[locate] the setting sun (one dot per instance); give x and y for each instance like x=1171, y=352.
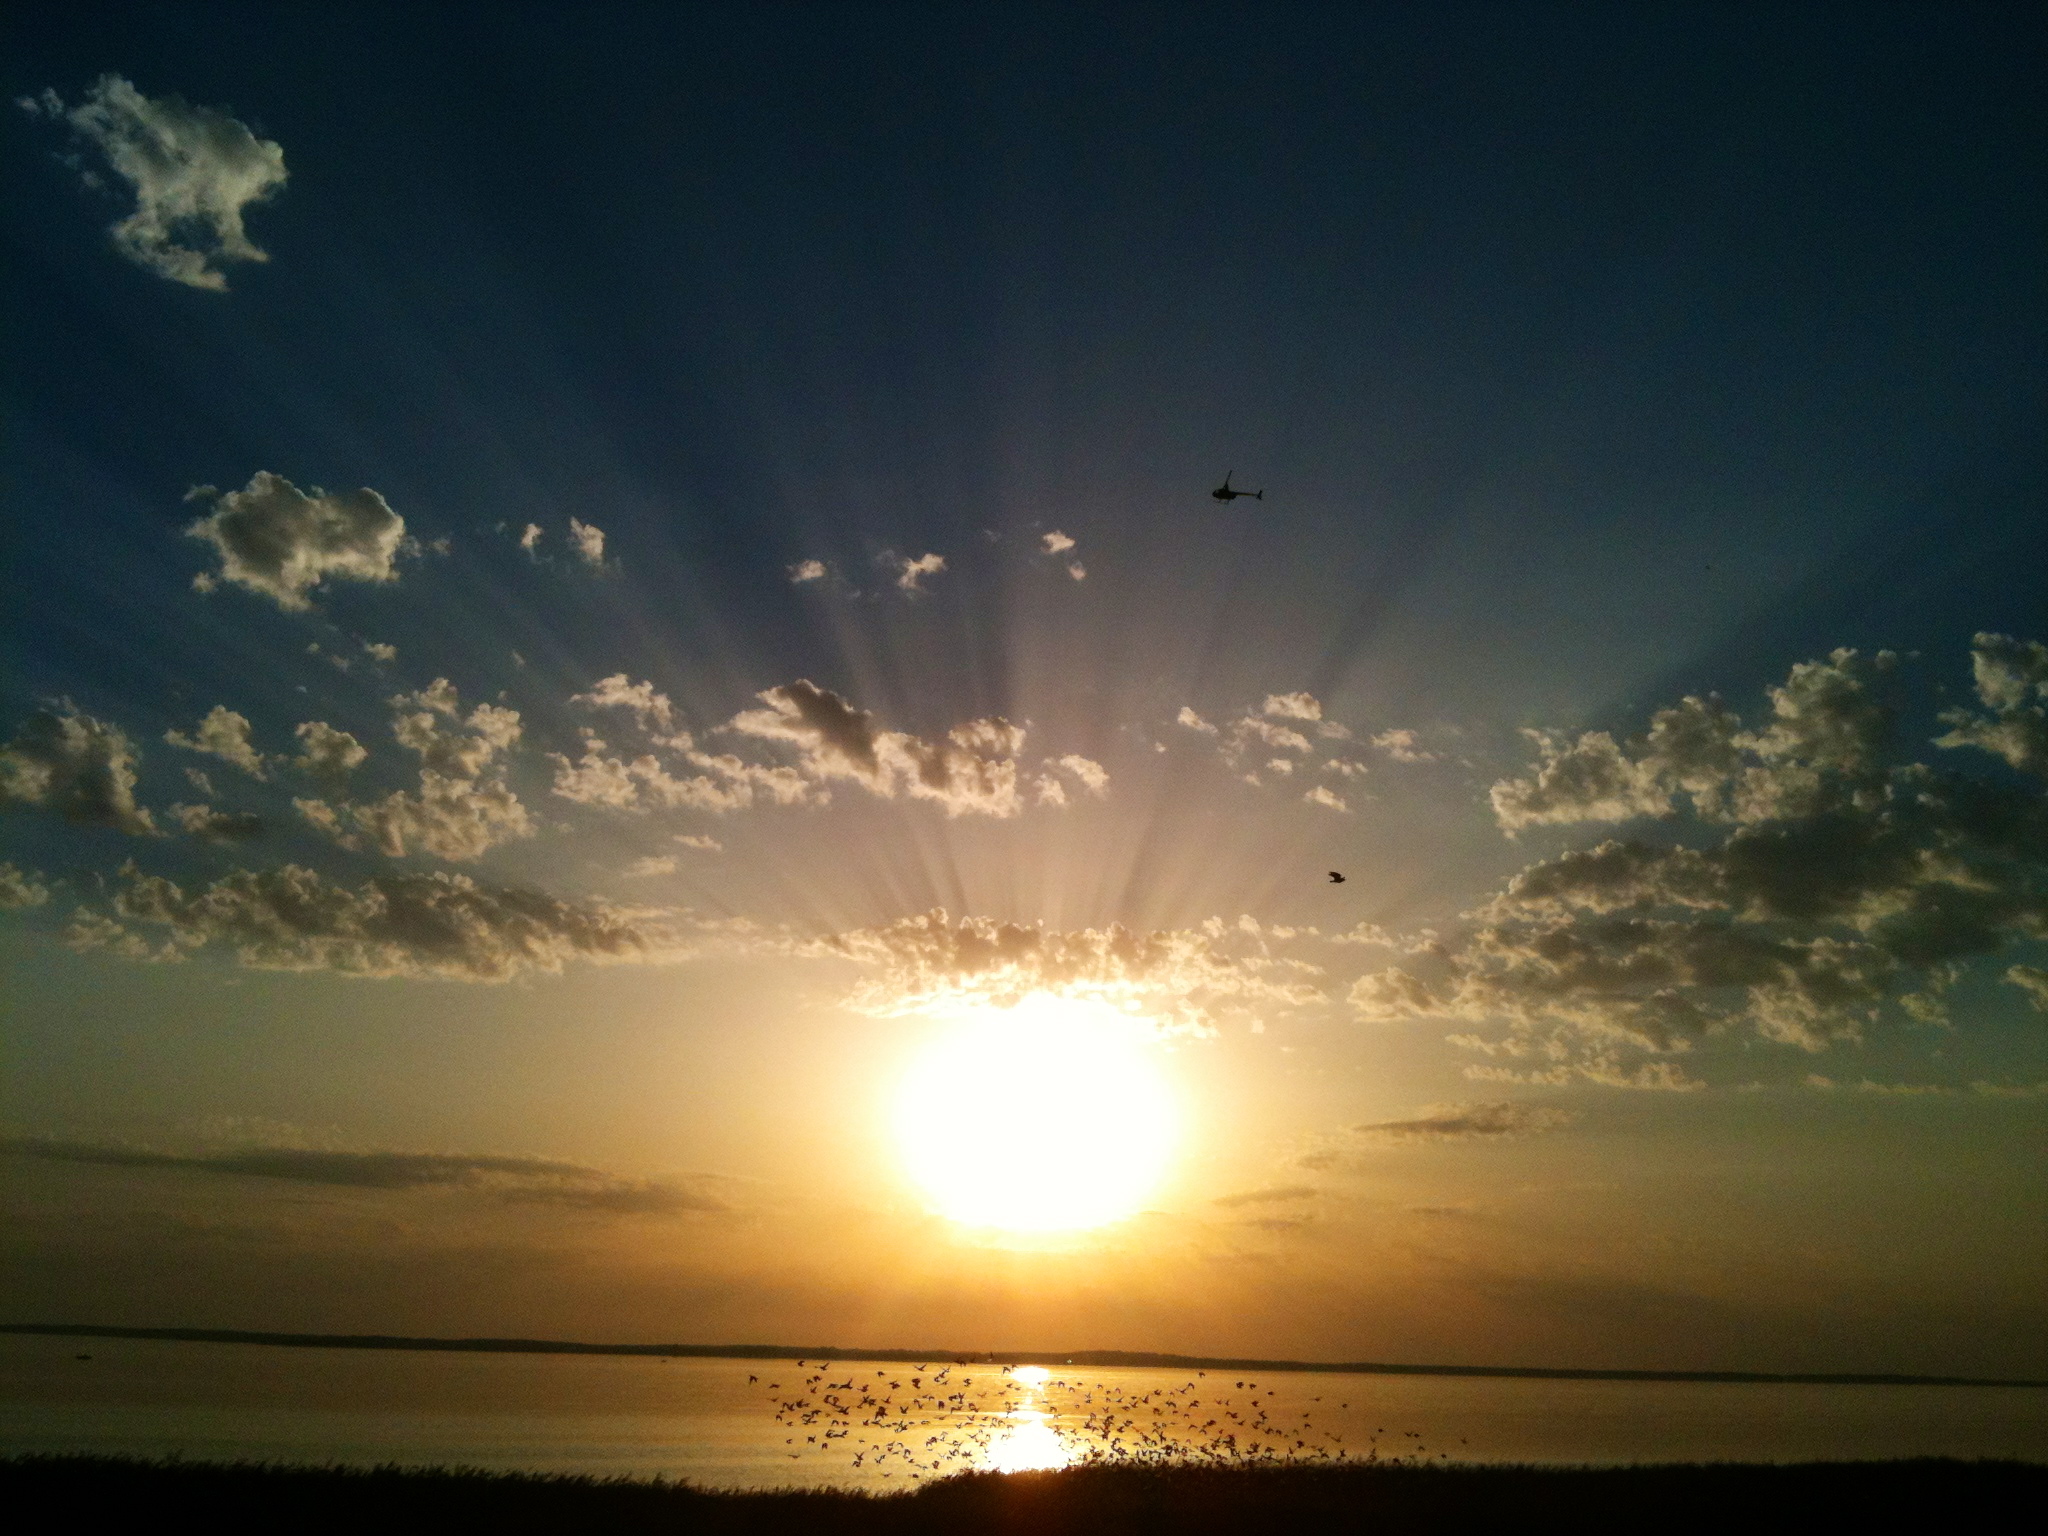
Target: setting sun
x=1049, y=1116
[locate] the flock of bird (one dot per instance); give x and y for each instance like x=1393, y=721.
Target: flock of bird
x=921, y=1421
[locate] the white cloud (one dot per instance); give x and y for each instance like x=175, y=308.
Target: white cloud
x=2012, y=682
x=1403, y=746
x=20, y=888
x=211, y=825
x=1293, y=706
x=422, y=925
x=79, y=767
x=462, y=748
x=588, y=541
x=325, y=751
x=1078, y=571
x=806, y=570
x=1328, y=798
x=193, y=171
x=225, y=735
x=1194, y=722
x=529, y=538
x=700, y=842
x=1056, y=543
x=199, y=780
x=649, y=708
x=280, y=541
x=457, y=819
x=652, y=864
x=379, y=651
x=909, y=573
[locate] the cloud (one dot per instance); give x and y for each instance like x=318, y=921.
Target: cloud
x=1280, y=1196
x=1077, y=570
x=193, y=171
x=210, y=825
x=644, y=783
x=517, y=1180
x=81, y=768
x=282, y=542
x=530, y=537
x=1403, y=746
x=2012, y=682
x=1194, y=722
x=225, y=735
x=588, y=541
x=1293, y=706
x=451, y=818
x=649, y=708
x=1326, y=797
x=909, y=573
x=652, y=864
x=700, y=842
x=806, y=570
x=1820, y=881
x=378, y=651
x=430, y=722
x=428, y=924
x=326, y=752
x=1056, y=543
x=20, y=888
x=1182, y=977
x=2033, y=981
x=1496, y=1121
x=971, y=771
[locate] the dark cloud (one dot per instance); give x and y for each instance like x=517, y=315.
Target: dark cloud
x=278, y=540
x=517, y=1180
x=1267, y=1196
x=1819, y=878
x=1496, y=1121
x=419, y=925
x=83, y=769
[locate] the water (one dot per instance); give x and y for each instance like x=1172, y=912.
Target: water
x=703, y=1420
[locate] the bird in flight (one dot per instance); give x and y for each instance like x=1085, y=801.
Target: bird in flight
x=1226, y=495
x=1335, y=878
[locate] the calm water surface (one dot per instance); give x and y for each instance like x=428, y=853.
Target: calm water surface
x=703, y=1420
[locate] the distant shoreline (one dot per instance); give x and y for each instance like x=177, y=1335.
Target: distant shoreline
x=1089, y=1357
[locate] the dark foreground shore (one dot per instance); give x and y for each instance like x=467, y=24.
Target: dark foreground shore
x=106, y=1493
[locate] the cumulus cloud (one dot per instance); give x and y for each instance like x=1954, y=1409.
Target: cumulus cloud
x=380, y=652
x=1189, y=720
x=588, y=542
x=282, y=542
x=972, y=770
x=430, y=722
x=327, y=752
x=210, y=825
x=64, y=760
x=1326, y=797
x=1293, y=706
x=701, y=843
x=1403, y=746
x=193, y=170
x=806, y=570
x=651, y=709
x=429, y=924
x=529, y=537
x=1820, y=880
x=20, y=888
x=519, y=1180
x=225, y=735
x=644, y=783
x=1182, y=977
x=457, y=819
x=911, y=573
x=2012, y=683
x=1056, y=543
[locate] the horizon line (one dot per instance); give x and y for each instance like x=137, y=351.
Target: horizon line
x=1145, y=1359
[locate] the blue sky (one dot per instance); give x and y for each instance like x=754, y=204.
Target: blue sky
x=1588, y=360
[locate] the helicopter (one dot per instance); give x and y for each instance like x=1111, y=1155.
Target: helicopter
x=1226, y=495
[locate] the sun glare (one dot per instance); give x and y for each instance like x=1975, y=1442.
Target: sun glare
x=1049, y=1116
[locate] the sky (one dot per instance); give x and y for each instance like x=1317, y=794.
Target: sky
x=627, y=714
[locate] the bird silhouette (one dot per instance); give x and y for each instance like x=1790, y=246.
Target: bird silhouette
x=1335, y=878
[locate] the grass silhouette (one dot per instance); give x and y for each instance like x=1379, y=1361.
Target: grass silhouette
x=113, y=1493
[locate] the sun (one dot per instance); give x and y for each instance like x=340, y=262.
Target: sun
x=1048, y=1116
